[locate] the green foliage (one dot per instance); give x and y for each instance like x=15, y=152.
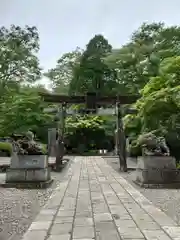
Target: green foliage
x=83, y=125
x=62, y=75
x=160, y=103
x=92, y=73
x=134, y=149
x=86, y=132
x=132, y=125
x=44, y=149
x=21, y=112
x=139, y=60
x=6, y=147
x=19, y=69
x=18, y=60
x=83, y=122
x=169, y=76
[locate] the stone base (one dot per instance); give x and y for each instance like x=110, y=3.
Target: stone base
x=28, y=185
x=27, y=175
x=153, y=171
x=156, y=185
x=157, y=176
x=158, y=162
x=29, y=161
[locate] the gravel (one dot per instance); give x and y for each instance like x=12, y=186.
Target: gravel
x=168, y=200
x=19, y=207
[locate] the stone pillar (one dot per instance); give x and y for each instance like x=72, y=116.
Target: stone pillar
x=121, y=140
x=52, y=142
x=60, y=140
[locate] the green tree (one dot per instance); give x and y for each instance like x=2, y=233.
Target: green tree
x=160, y=104
x=18, y=60
x=62, y=74
x=140, y=59
x=19, y=69
x=92, y=74
x=169, y=76
x=22, y=111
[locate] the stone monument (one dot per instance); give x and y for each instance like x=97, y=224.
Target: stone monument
x=156, y=168
x=28, y=169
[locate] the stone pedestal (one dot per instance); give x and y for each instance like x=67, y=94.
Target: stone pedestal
x=157, y=171
x=28, y=169
x=29, y=162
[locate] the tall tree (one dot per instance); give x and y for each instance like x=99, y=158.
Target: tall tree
x=62, y=74
x=92, y=74
x=139, y=60
x=18, y=60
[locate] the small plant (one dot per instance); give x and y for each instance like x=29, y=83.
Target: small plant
x=27, y=146
x=44, y=148
x=178, y=166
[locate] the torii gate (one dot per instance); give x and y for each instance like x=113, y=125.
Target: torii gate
x=93, y=102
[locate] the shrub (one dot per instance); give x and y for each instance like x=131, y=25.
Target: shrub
x=135, y=149
x=6, y=147
x=44, y=148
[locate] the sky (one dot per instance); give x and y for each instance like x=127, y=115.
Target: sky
x=64, y=25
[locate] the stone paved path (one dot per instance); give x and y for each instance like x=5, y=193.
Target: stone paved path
x=95, y=202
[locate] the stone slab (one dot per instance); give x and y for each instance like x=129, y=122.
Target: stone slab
x=64, y=213
x=157, y=176
x=63, y=219
x=40, y=235
x=83, y=232
x=102, y=217
x=16, y=175
x=60, y=237
x=156, y=185
x=38, y=175
x=130, y=233
x=27, y=185
x=61, y=229
x=40, y=225
x=52, y=142
x=27, y=175
x=83, y=221
x=106, y=231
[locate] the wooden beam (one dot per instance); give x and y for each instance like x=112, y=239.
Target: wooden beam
x=55, y=98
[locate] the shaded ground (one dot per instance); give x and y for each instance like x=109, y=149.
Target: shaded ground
x=167, y=200
x=19, y=207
